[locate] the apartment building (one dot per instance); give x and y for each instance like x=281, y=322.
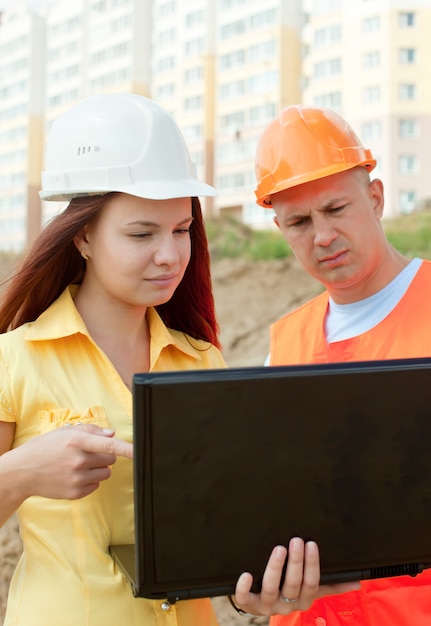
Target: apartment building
x=370, y=60
x=183, y=75
x=223, y=68
x=49, y=59
x=94, y=46
x=21, y=124
x=259, y=69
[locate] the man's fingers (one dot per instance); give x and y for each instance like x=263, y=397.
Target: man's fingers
x=260, y=604
x=271, y=578
x=295, y=570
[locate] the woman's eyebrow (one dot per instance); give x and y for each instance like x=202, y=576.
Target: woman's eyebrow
x=187, y=220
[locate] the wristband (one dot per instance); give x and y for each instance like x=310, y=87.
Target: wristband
x=237, y=609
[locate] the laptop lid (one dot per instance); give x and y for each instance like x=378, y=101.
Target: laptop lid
x=229, y=463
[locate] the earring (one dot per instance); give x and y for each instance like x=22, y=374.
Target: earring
x=84, y=254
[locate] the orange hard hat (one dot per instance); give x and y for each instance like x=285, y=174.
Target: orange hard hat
x=302, y=144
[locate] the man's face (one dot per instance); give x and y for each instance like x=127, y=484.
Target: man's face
x=333, y=227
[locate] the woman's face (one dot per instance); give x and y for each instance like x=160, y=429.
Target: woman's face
x=138, y=249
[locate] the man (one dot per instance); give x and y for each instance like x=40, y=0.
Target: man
x=314, y=172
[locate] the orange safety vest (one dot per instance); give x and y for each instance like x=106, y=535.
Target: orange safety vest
x=298, y=338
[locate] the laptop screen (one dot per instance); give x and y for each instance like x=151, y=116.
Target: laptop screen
x=229, y=463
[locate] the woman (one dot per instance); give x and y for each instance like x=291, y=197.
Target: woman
x=117, y=283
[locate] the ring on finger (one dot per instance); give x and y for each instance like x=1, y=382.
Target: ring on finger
x=289, y=600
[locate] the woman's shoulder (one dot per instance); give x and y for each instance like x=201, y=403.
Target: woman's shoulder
x=206, y=352
x=14, y=337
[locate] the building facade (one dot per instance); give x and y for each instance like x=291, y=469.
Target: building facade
x=94, y=46
x=22, y=37
x=224, y=69
x=369, y=60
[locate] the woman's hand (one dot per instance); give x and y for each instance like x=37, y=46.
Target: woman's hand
x=300, y=587
x=67, y=463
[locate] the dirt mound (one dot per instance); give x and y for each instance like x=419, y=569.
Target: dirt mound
x=249, y=297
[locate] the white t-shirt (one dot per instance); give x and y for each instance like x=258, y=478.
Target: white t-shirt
x=344, y=321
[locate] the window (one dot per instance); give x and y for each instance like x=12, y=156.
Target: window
x=262, y=51
x=408, y=129
x=371, y=24
x=371, y=94
x=262, y=113
x=327, y=36
x=371, y=59
x=166, y=91
x=231, y=181
x=99, y=6
x=406, y=19
x=232, y=59
x=14, y=89
x=121, y=23
x=166, y=36
x=233, y=29
x=331, y=100
x=235, y=119
x=194, y=46
x=61, y=98
x=227, y=4
x=371, y=130
x=194, y=131
x=408, y=164
x=407, y=201
x=407, y=91
x=262, y=19
x=193, y=102
x=328, y=68
x=103, y=81
x=168, y=8
x=196, y=17
x=113, y=52
x=66, y=27
x=166, y=63
x=194, y=74
x=407, y=56
x=65, y=73
x=323, y=7
x=263, y=82
x=231, y=90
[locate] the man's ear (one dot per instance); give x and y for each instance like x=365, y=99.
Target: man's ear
x=376, y=191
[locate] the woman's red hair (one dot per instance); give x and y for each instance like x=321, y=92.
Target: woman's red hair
x=53, y=263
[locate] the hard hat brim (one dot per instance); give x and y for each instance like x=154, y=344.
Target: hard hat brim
x=264, y=200
x=155, y=190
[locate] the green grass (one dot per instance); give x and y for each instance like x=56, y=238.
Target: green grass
x=229, y=238
x=410, y=234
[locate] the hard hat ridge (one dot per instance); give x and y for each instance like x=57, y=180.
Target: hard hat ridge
x=118, y=142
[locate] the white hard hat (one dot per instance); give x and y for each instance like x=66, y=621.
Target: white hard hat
x=118, y=142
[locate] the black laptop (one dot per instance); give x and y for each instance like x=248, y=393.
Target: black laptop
x=229, y=463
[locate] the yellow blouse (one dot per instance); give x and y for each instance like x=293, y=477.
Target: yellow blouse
x=52, y=373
